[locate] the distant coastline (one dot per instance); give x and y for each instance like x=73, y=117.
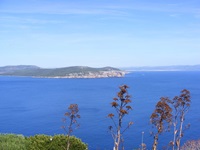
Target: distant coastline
x=164, y=68
x=66, y=72
x=85, y=71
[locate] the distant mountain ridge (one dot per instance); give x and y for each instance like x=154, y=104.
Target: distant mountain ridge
x=15, y=68
x=165, y=68
x=65, y=72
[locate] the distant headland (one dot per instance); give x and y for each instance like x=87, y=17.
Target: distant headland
x=65, y=72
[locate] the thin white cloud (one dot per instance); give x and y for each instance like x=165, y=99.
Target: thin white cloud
x=62, y=9
x=99, y=8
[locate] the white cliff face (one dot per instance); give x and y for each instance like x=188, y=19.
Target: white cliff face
x=101, y=74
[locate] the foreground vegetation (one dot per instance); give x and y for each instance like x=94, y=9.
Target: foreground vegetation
x=39, y=142
x=58, y=142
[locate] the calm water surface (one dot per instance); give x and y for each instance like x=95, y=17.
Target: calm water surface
x=32, y=106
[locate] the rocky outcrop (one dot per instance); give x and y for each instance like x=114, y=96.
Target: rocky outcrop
x=101, y=74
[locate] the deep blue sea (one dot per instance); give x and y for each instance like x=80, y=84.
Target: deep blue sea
x=32, y=106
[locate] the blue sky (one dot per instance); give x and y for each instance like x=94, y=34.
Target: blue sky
x=97, y=33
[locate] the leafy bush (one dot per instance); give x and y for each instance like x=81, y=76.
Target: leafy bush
x=39, y=142
x=57, y=142
x=13, y=142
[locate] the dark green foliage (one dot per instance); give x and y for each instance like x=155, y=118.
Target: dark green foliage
x=57, y=142
x=39, y=142
x=13, y=142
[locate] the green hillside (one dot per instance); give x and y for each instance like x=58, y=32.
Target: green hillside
x=35, y=71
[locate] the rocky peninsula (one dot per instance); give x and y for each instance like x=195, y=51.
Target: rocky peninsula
x=66, y=72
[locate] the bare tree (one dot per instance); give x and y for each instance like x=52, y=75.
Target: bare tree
x=122, y=108
x=72, y=115
x=161, y=118
x=181, y=105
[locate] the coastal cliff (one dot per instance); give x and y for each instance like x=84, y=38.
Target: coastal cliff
x=101, y=74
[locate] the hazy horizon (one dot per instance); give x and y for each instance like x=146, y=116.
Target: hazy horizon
x=101, y=66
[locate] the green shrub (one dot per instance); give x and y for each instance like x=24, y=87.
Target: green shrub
x=57, y=142
x=13, y=142
x=39, y=142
